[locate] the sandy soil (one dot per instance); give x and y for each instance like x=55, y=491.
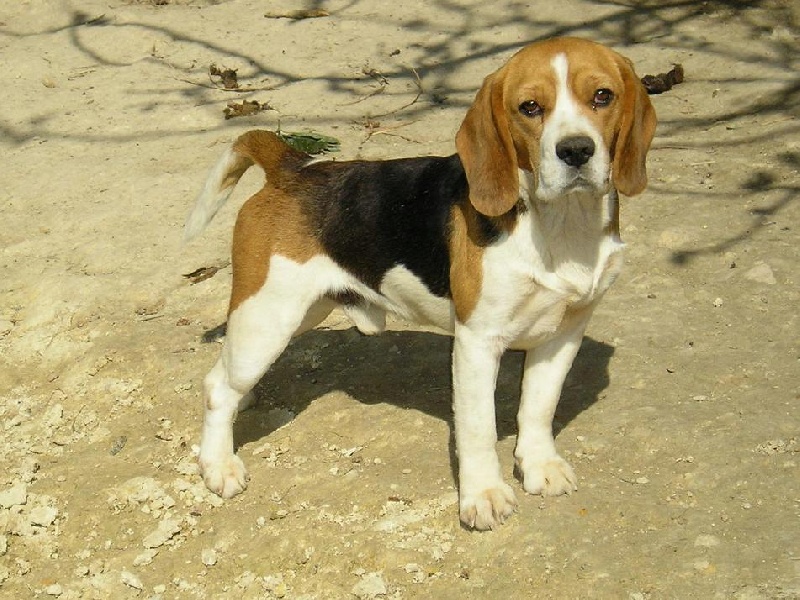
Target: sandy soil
x=680, y=416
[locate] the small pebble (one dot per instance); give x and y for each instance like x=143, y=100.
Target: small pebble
x=761, y=273
x=145, y=558
x=209, y=557
x=131, y=580
x=371, y=586
x=54, y=590
x=16, y=495
x=165, y=531
x=43, y=515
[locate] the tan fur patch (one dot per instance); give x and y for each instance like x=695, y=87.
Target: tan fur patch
x=466, y=273
x=280, y=161
x=270, y=222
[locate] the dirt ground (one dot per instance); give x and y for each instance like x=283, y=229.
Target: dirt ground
x=680, y=416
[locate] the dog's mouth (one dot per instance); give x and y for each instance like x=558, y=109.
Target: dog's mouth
x=578, y=180
x=571, y=180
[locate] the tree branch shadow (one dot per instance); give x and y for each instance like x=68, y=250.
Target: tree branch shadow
x=629, y=23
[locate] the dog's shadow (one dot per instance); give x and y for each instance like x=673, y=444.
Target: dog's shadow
x=410, y=370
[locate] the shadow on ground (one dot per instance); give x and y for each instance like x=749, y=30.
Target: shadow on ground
x=410, y=370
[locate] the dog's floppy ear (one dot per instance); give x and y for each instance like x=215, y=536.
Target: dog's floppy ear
x=487, y=152
x=636, y=129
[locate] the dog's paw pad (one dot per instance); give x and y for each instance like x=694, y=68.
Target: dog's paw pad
x=226, y=478
x=550, y=477
x=488, y=508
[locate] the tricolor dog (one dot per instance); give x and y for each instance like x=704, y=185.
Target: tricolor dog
x=510, y=243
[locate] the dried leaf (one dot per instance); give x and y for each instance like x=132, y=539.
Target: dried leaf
x=658, y=84
x=244, y=108
x=202, y=273
x=227, y=77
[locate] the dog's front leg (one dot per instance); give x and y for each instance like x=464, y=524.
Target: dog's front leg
x=485, y=500
x=542, y=470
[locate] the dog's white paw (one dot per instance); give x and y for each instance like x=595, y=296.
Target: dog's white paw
x=225, y=478
x=549, y=477
x=488, y=508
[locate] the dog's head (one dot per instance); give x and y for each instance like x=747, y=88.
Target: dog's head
x=572, y=112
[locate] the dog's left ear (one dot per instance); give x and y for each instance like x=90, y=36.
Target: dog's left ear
x=487, y=151
x=636, y=129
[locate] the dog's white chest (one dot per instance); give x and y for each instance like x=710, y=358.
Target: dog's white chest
x=533, y=279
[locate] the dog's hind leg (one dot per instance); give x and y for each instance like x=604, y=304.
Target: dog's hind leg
x=259, y=329
x=315, y=315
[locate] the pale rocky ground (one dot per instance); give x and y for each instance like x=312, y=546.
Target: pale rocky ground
x=680, y=416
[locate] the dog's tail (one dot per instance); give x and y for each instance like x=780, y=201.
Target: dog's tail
x=264, y=148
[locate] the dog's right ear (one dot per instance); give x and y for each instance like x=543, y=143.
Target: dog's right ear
x=487, y=151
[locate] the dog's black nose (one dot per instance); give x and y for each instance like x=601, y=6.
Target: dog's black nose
x=575, y=151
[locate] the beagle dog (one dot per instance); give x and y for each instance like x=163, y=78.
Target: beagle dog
x=510, y=243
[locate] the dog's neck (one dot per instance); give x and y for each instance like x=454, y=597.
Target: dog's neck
x=574, y=238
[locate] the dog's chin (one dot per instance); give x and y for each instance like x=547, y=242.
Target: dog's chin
x=577, y=184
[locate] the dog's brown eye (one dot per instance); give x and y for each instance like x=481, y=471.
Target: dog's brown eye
x=602, y=97
x=530, y=108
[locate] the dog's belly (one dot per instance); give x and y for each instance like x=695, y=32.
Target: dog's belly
x=404, y=294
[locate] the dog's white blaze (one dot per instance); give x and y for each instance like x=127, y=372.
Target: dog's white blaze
x=567, y=119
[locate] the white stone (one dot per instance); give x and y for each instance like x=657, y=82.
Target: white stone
x=16, y=495
x=43, y=515
x=131, y=580
x=761, y=273
x=165, y=531
x=209, y=557
x=371, y=585
x=145, y=558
